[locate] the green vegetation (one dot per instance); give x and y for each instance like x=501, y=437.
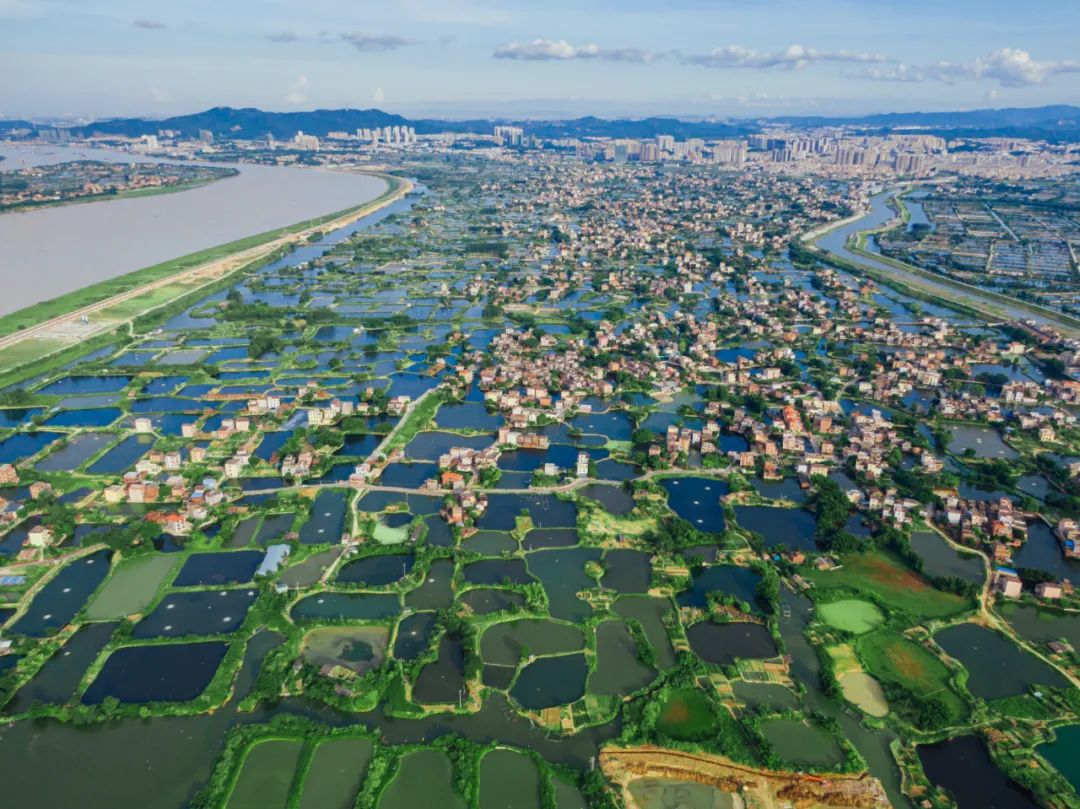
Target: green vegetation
x=46, y=310
x=687, y=715
x=419, y=419
x=885, y=579
x=131, y=587
x=917, y=684
x=850, y=615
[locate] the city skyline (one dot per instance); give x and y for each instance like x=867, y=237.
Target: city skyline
x=468, y=58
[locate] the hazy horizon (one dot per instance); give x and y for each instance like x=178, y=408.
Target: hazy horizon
x=468, y=58
x=537, y=115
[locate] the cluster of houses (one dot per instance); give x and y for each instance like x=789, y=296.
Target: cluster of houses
x=972, y=521
x=1006, y=583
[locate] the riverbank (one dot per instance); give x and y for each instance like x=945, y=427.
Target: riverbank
x=132, y=193
x=854, y=257
x=38, y=332
x=64, y=249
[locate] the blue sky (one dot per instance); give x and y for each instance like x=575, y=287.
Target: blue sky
x=542, y=58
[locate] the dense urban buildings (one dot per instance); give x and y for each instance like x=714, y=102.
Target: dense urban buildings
x=596, y=452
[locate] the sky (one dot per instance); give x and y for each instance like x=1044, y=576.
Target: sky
x=535, y=58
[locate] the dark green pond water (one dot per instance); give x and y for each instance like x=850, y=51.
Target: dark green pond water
x=996, y=666
x=1064, y=753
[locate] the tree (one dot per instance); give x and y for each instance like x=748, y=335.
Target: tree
x=832, y=508
x=263, y=343
x=15, y=397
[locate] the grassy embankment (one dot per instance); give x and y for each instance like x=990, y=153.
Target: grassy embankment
x=970, y=299
x=35, y=356
x=95, y=293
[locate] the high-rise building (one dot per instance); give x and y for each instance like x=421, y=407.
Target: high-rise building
x=666, y=143
x=729, y=151
x=908, y=163
x=650, y=153
x=307, y=142
x=509, y=135
x=55, y=135
x=851, y=156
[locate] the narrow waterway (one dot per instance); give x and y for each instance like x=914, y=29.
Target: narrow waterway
x=834, y=242
x=159, y=763
x=872, y=744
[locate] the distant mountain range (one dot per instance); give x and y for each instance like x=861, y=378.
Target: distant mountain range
x=1013, y=116
x=1058, y=122
x=254, y=123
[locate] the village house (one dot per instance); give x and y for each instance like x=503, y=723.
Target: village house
x=1006, y=583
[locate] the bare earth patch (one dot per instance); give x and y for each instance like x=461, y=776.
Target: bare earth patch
x=760, y=788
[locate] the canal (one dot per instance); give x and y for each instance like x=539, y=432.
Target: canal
x=834, y=242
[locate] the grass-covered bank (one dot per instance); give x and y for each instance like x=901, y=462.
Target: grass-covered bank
x=73, y=301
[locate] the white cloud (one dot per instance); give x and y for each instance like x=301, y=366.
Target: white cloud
x=1009, y=67
x=297, y=91
x=366, y=42
x=793, y=57
x=378, y=96
x=540, y=50
x=159, y=95
x=363, y=41
x=899, y=72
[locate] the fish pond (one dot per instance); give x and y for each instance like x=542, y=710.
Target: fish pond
x=550, y=681
x=726, y=643
x=962, y=765
x=942, y=560
x=802, y=743
x=336, y=774
x=174, y=673
x=63, y=596
x=996, y=666
x=424, y=778
x=1064, y=752
x=697, y=500
x=509, y=780
x=356, y=648
x=198, y=612
x=347, y=606
x=266, y=775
